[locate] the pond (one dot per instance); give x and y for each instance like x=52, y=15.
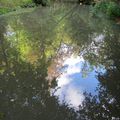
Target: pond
x=59, y=63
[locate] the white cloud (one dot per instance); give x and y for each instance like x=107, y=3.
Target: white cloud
x=73, y=60
x=71, y=83
x=69, y=92
x=74, y=96
x=73, y=66
x=63, y=80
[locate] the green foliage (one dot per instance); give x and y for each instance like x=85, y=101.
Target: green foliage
x=111, y=9
x=13, y=3
x=4, y=10
x=28, y=5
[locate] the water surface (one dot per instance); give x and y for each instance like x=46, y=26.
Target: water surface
x=51, y=59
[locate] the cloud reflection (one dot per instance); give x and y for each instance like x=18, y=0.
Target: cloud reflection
x=72, y=84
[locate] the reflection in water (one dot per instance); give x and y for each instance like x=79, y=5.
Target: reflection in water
x=73, y=83
x=72, y=55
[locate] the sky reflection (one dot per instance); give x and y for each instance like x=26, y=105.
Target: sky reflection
x=72, y=83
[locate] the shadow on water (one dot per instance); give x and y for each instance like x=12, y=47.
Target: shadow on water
x=59, y=63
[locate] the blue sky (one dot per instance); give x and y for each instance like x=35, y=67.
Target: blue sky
x=72, y=83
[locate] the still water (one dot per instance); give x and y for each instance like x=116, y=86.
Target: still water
x=59, y=63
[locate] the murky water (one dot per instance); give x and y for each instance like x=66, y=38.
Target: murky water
x=59, y=63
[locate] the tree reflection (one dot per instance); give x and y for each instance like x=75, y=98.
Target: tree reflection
x=105, y=105
x=30, y=48
x=25, y=92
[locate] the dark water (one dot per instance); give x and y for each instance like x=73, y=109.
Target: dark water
x=59, y=63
